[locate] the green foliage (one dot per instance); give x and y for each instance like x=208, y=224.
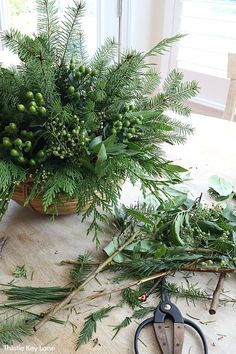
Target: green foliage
x=125, y=323
x=14, y=329
x=80, y=271
x=20, y=272
x=81, y=126
x=90, y=325
x=174, y=235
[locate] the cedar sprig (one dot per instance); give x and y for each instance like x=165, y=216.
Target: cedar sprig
x=80, y=271
x=90, y=325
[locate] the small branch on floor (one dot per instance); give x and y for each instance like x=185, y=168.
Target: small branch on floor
x=2, y=244
x=216, y=294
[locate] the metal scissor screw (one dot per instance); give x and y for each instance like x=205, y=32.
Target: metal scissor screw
x=167, y=307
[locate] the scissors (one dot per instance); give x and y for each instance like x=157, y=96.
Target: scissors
x=166, y=309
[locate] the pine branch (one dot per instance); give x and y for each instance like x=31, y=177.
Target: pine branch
x=90, y=325
x=104, y=56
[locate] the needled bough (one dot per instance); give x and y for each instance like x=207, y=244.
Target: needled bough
x=81, y=126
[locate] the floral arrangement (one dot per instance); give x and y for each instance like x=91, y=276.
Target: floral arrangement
x=79, y=126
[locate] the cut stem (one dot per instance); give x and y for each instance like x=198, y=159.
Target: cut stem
x=216, y=294
x=68, y=299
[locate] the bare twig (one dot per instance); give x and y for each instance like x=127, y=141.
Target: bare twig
x=68, y=299
x=102, y=293
x=216, y=294
x=74, y=262
x=2, y=244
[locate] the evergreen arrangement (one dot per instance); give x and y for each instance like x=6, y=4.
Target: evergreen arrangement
x=80, y=126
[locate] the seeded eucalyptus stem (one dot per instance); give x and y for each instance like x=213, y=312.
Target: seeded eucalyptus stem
x=68, y=299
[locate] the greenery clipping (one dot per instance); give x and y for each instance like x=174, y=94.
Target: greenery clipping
x=80, y=126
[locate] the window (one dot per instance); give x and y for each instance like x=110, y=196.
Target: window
x=21, y=14
x=203, y=53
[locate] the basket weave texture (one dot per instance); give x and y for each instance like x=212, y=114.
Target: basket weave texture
x=23, y=190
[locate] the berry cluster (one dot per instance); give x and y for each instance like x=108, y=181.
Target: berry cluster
x=81, y=81
x=34, y=104
x=125, y=126
x=66, y=140
x=18, y=144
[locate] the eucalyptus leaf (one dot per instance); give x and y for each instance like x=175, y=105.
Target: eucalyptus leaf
x=211, y=227
x=175, y=168
x=112, y=247
x=138, y=215
x=175, y=229
x=102, y=154
x=220, y=185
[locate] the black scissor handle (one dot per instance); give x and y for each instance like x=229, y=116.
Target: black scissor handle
x=186, y=321
x=139, y=329
x=199, y=331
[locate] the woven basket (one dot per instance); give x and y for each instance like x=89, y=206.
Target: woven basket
x=23, y=190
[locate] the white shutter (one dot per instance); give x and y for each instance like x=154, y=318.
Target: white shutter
x=202, y=55
x=211, y=28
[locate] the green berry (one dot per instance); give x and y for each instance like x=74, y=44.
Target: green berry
x=32, y=162
x=33, y=109
x=77, y=95
x=27, y=146
x=93, y=72
x=131, y=107
x=33, y=103
x=12, y=126
x=14, y=153
x=132, y=130
x=42, y=111
x=119, y=117
x=30, y=135
x=113, y=131
x=72, y=66
x=77, y=75
x=71, y=90
x=18, y=142
x=126, y=108
x=21, y=108
x=6, y=142
x=127, y=123
x=29, y=95
x=82, y=68
x=39, y=97
x=41, y=154
x=23, y=133
x=129, y=135
x=138, y=121
x=87, y=71
x=21, y=159
x=140, y=117
x=55, y=153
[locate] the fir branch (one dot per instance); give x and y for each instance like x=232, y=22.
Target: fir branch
x=163, y=46
x=90, y=325
x=70, y=31
x=47, y=21
x=104, y=56
x=21, y=44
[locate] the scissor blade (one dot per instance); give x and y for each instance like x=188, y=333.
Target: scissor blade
x=178, y=338
x=161, y=337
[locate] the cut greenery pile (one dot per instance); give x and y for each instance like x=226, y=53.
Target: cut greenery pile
x=164, y=237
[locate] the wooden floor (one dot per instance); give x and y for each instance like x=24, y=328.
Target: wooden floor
x=38, y=243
